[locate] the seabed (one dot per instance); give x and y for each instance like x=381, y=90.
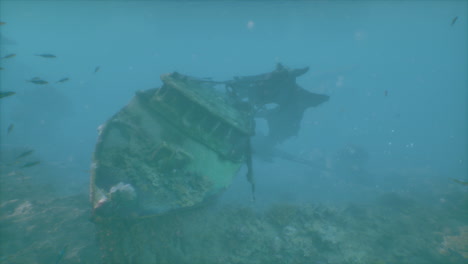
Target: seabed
x=38, y=227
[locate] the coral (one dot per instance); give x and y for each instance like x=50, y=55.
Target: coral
x=281, y=214
x=456, y=243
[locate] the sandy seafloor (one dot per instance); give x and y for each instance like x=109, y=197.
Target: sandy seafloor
x=38, y=226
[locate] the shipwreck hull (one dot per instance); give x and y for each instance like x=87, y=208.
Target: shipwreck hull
x=170, y=148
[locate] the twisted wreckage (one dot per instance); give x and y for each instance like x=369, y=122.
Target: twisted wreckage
x=176, y=146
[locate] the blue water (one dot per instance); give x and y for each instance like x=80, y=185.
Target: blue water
x=396, y=74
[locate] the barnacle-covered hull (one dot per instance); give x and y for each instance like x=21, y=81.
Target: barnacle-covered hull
x=169, y=148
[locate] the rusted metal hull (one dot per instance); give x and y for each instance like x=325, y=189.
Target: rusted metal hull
x=169, y=148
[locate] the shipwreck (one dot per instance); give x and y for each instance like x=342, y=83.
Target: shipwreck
x=179, y=145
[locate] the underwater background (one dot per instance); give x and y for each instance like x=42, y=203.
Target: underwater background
x=388, y=151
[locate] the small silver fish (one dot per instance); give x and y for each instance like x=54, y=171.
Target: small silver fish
x=460, y=182
x=61, y=254
x=454, y=20
x=30, y=164
x=6, y=94
x=97, y=69
x=47, y=55
x=9, y=56
x=37, y=80
x=63, y=80
x=10, y=128
x=24, y=154
x=41, y=82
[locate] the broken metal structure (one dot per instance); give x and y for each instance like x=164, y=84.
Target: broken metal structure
x=176, y=146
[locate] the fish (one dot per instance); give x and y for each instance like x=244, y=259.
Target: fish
x=97, y=69
x=63, y=80
x=40, y=82
x=1, y=68
x=47, y=55
x=454, y=20
x=2, y=23
x=11, y=55
x=37, y=80
x=30, y=164
x=6, y=94
x=61, y=254
x=460, y=182
x=10, y=128
x=24, y=154
x=386, y=93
